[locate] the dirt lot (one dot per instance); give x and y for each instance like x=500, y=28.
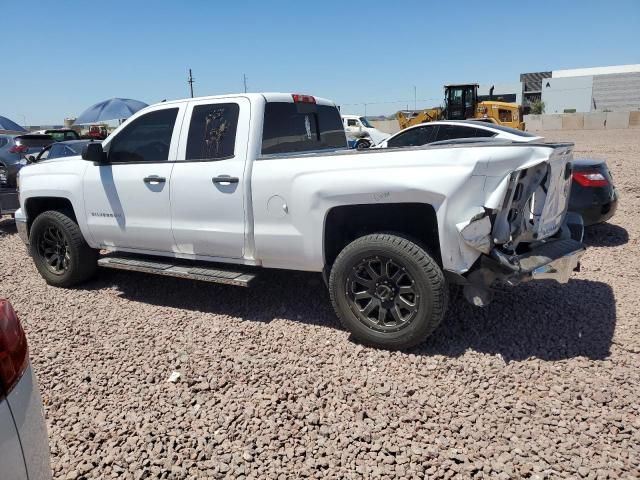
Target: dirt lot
x=544, y=383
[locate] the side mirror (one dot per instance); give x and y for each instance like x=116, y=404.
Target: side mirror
x=30, y=159
x=93, y=152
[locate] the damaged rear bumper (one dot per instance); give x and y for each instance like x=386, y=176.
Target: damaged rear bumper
x=560, y=269
x=552, y=260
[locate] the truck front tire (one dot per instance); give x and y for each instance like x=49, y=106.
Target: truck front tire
x=388, y=291
x=59, y=250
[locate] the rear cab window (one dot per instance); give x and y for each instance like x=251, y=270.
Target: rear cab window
x=301, y=127
x=513, y=131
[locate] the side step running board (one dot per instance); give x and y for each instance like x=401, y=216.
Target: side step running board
x=176, y=268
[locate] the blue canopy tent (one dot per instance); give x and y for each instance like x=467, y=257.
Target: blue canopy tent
x=112, y=109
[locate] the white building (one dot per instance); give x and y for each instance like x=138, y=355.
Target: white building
x=615, y=89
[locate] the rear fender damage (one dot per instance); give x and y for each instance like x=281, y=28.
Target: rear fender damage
x=532, y=212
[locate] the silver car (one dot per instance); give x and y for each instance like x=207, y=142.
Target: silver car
x=24, y=445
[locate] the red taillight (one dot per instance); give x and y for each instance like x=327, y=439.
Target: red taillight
x=13, y=348
x=590, y=178
x=297, y=98
x=19, y=149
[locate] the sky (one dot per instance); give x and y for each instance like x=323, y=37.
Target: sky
x=62, y=57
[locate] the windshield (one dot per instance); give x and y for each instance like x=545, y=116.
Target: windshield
x=365, y=122
x=61, y=135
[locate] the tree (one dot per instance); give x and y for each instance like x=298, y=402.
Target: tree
x=537, y=107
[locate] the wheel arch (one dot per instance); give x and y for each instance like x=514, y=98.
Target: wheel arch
x=417, y=221
x=34, y=206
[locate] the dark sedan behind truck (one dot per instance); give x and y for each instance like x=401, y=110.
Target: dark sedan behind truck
x=592, y=192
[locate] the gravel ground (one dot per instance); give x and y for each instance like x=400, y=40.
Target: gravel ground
x=543, y=383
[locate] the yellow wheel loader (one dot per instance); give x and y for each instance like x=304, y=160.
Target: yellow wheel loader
x=461, y=103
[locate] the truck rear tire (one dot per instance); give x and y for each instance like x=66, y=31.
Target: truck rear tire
x=59, y=250
x=388, y=291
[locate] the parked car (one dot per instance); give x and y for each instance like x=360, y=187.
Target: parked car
x=97, y=132
x=265, y=180
x=365, y=134
x=61, y=134
x=426, y=133
x=59, y=150
x=13, y=150
x=24, y=445
x=593, y=194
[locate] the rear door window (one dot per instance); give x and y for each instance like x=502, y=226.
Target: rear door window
x=212, y=131
x=480, y=133
x=301, y=127
x=449, y=132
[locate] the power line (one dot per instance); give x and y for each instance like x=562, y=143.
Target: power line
x=394, y=101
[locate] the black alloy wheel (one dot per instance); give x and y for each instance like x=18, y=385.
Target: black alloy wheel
x=382, y=294
x=53, y=248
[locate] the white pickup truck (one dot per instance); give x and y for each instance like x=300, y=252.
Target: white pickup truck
x=212, y=188
x=361, y=132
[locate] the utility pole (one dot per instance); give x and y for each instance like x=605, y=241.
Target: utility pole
x=365, y=109
x=244, y=77
x=415, y=96
x=190, y=82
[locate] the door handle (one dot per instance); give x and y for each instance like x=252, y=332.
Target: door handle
x=154, y=179
x=225, y=179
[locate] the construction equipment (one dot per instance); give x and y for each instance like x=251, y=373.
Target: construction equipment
x=461, y=103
